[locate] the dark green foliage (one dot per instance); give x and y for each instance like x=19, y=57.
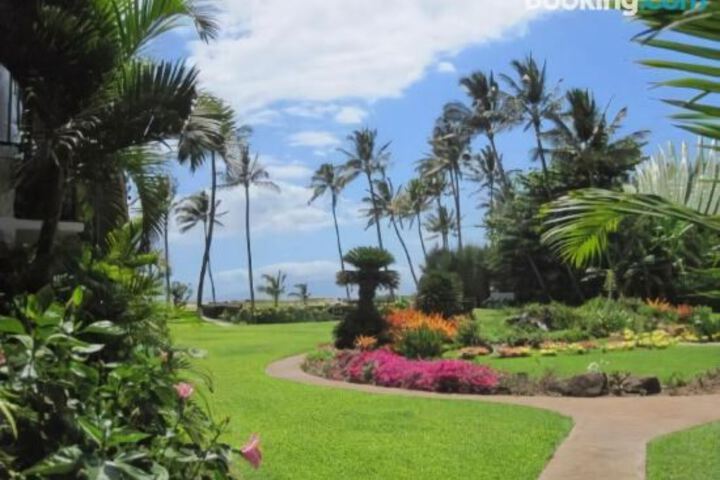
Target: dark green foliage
x=308, y=314
x=371, y=273
x=470, y=264
x=421, y=343
x=181, y=293
x=705, y=323
x=440, y=292
x=469, y=334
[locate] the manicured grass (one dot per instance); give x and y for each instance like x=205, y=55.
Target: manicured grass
x=688, y=455
x=492, y=323
x=319, y=433
x=680, y=362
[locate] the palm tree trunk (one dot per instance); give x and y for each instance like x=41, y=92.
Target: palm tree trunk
x=455, y=181
x=539, y=277
x=212, y=280
x=209, y=227
x=404, y=247
x=541, y=154
x=249, y=249
x=339, y=245
x=498, y=163
x=375, y=209
x=420, y=233
x=444, y=233
x=203, y=270
x=166, y=242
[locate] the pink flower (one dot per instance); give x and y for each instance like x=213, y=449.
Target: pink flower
x=251, y=451
x=184, y=390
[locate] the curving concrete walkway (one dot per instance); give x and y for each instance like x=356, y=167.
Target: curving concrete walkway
x=610, y=434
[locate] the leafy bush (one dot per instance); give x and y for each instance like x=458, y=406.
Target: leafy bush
x=470, y=265
x=602, y=317
x=265, y=316
x=440, y=292
x=422, y=342
x=705, y=323
x=469, y=334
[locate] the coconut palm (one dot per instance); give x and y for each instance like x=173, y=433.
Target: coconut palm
x=191, y=211
x=365, y=157
x=301, y=292
x=535, y=100
x=390, y=204
x=441, y=224
x=168, y=189
x=482, y=170
x=89, y=94
x=584, y=147
x=417, y=201
x=274, y=286
x=246, y=171
x=329, y=178
x=491, y=112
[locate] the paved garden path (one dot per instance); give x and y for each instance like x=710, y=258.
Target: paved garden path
x=610, y=435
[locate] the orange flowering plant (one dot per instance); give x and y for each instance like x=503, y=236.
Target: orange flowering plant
x=401, y=321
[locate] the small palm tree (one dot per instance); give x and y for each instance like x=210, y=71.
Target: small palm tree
x=535, y=100
x=301, y=292
x=366, y=158
x=441, y=224
x=329, y=178
x=191, y=211
x=417, y=201
x=168, y=190
x=274, y=286
x=245, y=171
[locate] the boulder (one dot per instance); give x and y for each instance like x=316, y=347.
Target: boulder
x=642, y=386
x=587, y=385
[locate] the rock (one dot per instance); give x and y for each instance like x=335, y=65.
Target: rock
x=470, y=353
x=587, y=385
x=642, y=386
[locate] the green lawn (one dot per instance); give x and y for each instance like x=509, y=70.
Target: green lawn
x=318, y=433
x=680, y=362
x=690, y=455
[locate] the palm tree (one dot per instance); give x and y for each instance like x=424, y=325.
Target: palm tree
x=492, y=111
x=441, y=224
x=583, y=143
x=389, y=203
x=535, y=101
x=329, y=178
x=274, y=286
x=169, y=190
x=301, y=292
x=482, y=168
x=191, y=211
x=246, y=171
x=365, y=158
x=89, y=95
x=417, y=201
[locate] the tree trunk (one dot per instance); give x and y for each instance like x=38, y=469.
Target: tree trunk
x=445, y=233
x=539, y=277
x=404, y=247
x=455, y=181
x=339, y=244
x=420, y=233
x=249, y=249
x=203, y=271
x=498, y=163
x=212, y=281
x=375, y=210
x=166, y=242
x=541, y=154
x=209, y=228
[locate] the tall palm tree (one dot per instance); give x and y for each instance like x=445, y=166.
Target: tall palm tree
x=535, y=100
x=89, y=93
x=583, y=143
x=330, y=179
x=191, y=211
x=390, y=204
x=246, y=171
x=482, y=168
x=169, y=190
x=417, y=201
x=491, y=112
x=442, y=224
x=301, y=292
x=365, y=158
x=274, y=286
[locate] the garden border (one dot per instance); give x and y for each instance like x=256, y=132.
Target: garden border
x=610, y=434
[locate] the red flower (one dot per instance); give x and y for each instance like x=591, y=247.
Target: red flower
x=251, y=451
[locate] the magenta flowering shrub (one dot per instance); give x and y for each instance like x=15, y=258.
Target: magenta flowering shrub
x=387, y=369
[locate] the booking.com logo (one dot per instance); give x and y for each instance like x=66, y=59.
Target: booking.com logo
x=629, y=7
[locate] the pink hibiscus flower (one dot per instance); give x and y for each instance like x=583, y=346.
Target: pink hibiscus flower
x=251, y=451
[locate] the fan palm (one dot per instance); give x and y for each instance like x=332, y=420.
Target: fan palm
x=390, y=204
x=246, y=171
x=366, y=158
x=301, y=292
x=330, y=179
x=584, y=146
x=535, y=101
x=417, y=201
x=274, y=286
x=87, y=91
x=668, y=187
x=191, y=211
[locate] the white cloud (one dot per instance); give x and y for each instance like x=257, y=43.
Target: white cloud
x=314, y=138
x=322, y=51
x=289, y=172
x=350, y=115
x=445, y=67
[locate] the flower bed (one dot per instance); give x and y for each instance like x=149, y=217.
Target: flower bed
x=387, y=369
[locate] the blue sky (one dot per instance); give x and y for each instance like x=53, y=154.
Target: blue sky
x=305, y=78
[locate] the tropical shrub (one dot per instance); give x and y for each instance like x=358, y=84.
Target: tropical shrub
x=422, y=342
x=470, y=265
x=602, y=317
x=469, y=333
x=440, y=292
x=705, y=323
x=301, y=314
x=370, y=274
x=387, y=369
x=401, y=321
